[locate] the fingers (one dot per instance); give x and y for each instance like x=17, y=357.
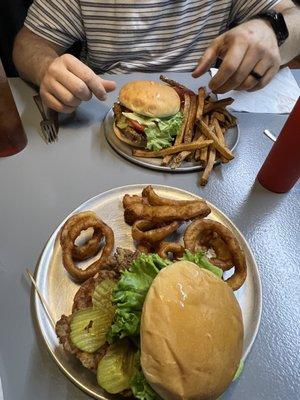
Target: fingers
x=68, y=81
x=208, y=58
x=96, y=84
x=266, y=79
x=52, y=102
x=62, y=94
x=233, y=64
x=260, y=68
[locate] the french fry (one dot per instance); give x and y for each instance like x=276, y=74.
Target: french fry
x=171, y=82
x=172, y=150
x=200, y=102
x=202, y=154
x=209, y=166
x=217, y=105
x=179, y=138
x=220, y=136
x=202, y=137
x=208, y=132
x=189, y=130
x=219, y=116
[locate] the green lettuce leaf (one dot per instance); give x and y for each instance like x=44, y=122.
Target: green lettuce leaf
x=130, y=293
x=200, y=259
x=239, y=371
x=160, y=132
x=141, y=388
x=139, y=385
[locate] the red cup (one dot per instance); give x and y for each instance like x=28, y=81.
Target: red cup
x=281, y=169
x=12, y=136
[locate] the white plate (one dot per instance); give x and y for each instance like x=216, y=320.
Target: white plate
x=59, y=290
x=231, y=137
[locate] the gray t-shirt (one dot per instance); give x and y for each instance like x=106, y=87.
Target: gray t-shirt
x=123, y=36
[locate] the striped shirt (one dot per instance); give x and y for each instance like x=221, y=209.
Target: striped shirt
x=122, y=36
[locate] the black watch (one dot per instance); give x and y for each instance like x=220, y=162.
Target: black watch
x=278, y=24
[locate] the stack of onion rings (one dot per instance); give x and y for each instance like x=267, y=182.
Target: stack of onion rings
x=200, y=227
x=70, y=252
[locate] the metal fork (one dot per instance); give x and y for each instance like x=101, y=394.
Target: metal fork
x=48, y=127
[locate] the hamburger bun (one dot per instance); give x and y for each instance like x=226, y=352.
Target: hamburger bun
x=149, y=98
x=191, y=334
x=124, y=139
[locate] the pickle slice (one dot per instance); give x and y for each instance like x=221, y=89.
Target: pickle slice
x=102, y=296
x=117, y=367
x=89, y=328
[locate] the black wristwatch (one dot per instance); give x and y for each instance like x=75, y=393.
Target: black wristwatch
x=278, y=24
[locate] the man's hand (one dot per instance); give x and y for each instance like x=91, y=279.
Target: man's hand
x=252, y=46
x=66, y=82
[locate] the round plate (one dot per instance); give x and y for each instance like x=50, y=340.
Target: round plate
x=58, y=289
x=231, y=137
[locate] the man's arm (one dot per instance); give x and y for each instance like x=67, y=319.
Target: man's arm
x=251, y=46
x=291, y=47
x=64, y=81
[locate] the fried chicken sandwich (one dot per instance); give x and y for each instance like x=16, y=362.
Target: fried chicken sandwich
x=156, y=329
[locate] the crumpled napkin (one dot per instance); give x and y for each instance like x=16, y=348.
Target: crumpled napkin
x=278, y=97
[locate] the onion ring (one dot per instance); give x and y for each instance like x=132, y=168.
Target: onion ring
x=147, y=231
x=156, y=200
x=145, y=248
x=128, y=200
x=91, y=247
x=68, y=244
x=161, y=214
x=199, y=226
x=164, y=248
x=212, y=240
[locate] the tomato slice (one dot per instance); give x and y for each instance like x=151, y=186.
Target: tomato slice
x=136, y=125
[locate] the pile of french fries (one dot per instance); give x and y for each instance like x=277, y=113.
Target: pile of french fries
x=202, y=135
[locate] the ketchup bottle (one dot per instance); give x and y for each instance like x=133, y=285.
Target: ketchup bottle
x=12, y=136
x=281, y=169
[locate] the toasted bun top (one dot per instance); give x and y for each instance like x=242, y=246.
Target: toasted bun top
x=149, y=98
x=191, y=334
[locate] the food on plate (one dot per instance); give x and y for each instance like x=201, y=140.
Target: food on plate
x=169, y=121
x=125, y=301
x=88, y=249
x=166, y=291
x=147, y=115
x=185, y=352
x=200, y=227
x=71, y=231
x=147, y=231
x=164, y=248
x=154, y=199
x=161, y=214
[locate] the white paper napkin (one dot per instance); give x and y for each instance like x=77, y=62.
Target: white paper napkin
x=279, y=96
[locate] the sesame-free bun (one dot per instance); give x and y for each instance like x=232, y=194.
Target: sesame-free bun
x=149, y=98
x=191, y=334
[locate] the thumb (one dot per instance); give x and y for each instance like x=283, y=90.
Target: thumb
x=208, y=58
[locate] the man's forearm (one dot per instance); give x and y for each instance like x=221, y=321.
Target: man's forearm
x=32, y=55
x=291, y=48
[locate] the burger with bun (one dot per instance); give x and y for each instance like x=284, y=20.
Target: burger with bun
x=147, y=115
x=156, y=329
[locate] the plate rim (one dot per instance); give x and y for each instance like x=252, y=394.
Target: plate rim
x=38, y=305
x=141, y=161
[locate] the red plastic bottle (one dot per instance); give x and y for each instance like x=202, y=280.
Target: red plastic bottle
x=281, y=170
x=12, y=136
